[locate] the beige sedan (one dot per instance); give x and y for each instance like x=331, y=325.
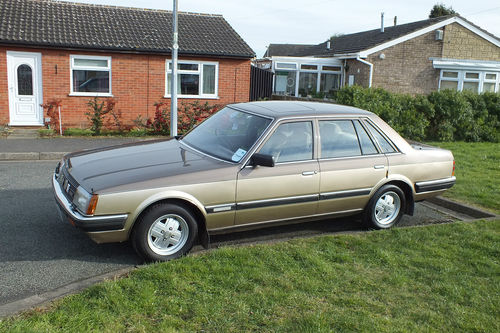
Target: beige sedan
x=250, y=165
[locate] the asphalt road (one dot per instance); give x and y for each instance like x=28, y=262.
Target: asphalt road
x=39, y=253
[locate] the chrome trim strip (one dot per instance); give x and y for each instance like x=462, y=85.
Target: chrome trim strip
x=344, y=194
x=298, y=219
x=78, y=218
x=220, y=208
x=277, y=201
x=435, y=185
x=287, y=200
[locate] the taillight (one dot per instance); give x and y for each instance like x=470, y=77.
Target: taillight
x=453, y=172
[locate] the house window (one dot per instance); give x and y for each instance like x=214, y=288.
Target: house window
x=286, y=65
x=307, y=84
x=194, y=79
x=490, y=82
x=449, y=80
x=285, y=83
x=309, y=67
x=475, y=81
x=90, y=75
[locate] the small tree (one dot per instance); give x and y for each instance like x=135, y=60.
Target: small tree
x=98, y=110
x=440, y=9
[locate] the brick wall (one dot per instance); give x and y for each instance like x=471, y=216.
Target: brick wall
x=406, y=67
x=360, y=71
x=461, y=43
x=138, y=81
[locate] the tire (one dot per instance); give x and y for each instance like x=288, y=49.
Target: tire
x=386, y=208
x=164, y=232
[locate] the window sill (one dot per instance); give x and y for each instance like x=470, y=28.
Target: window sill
x=90, y=95
x=193, y=97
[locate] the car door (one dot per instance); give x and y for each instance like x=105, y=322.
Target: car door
x=351, y=166
x=287, y=190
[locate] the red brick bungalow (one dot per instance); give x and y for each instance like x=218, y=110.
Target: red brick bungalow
x=73, y=52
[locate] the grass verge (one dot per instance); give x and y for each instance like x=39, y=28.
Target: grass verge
x=435, y=278
x=477, y=172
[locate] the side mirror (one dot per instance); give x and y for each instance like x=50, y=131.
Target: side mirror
x=262, y=159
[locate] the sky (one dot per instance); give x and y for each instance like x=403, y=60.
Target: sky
x=262, y=22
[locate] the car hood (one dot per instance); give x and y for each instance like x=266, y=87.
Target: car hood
x=134, y=166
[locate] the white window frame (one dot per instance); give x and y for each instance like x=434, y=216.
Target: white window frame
x=168, y=71
x=461, y=78
x=496, y=81
x=89, y=68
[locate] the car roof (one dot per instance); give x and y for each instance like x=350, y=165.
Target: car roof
x=284, y=109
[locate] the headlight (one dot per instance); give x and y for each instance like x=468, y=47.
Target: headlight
x=84, y=201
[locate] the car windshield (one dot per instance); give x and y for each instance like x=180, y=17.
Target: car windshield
x=229, y=134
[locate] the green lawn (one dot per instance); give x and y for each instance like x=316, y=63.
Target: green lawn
x=434, y=278
x=477, y=172
x=437, y=278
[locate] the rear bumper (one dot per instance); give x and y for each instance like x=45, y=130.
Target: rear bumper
x=435, y=185
x=86, y=223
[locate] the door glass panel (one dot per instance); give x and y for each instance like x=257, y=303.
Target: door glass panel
x=367, y=146
x=338, y=139
x=382, y=141
x=24, y=80
x=290, y=142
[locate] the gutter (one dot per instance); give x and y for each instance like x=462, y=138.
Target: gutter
x=371, y=69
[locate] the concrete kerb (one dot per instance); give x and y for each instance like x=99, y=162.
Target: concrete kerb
x=31, y=156
x=462, y=211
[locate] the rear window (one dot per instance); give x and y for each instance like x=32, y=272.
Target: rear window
x=384, y=144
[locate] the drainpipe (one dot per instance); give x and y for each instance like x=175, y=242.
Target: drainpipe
x=371, y=69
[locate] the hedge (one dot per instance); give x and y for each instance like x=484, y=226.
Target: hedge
x=441, y=116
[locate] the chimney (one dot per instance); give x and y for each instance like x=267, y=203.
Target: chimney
x=328, y=44
x=382, y=22
x=395, y=20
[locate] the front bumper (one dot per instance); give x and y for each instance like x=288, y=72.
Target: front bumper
x=84, y=222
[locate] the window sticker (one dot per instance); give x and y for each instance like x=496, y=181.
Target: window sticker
x=238, y=155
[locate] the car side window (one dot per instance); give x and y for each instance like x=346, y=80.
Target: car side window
x=290, y=142
x=338, y=139
x=367, y=145
x=382, y=141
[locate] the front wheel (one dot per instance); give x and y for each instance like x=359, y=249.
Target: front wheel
x=164, y=232
x=385, y=208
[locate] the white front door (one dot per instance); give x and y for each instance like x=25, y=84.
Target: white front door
x=25, y=88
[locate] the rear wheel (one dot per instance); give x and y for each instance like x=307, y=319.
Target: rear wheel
x=385, y=208
x=164, y=232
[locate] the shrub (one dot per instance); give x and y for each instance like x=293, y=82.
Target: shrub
x=98, y=110
x=52, y=112
x=189, y=114
x=442, y=115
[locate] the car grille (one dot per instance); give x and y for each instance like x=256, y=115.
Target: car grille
x=67, y=183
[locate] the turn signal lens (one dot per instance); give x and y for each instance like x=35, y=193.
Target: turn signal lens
x=453, y=172
x=92, y=204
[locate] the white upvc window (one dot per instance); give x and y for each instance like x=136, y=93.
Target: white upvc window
x=491, y=82
x=90, y=75
x=475, y=81
x=195, y=79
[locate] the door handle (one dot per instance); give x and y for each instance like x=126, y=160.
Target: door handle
x=380, y=166
x=309, y=173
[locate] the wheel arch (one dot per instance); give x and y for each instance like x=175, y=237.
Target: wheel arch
x=408, y=191
x=185, y=201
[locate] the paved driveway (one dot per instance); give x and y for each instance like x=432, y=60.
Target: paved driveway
x=38, y=253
